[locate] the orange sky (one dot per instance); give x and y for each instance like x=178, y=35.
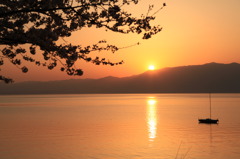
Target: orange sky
x=194, y=32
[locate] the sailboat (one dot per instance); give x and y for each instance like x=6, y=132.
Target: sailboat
x=209, y=120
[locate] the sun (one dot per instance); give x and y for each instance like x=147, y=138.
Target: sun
x=151, y=67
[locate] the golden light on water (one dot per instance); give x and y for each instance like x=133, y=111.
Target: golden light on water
x=152, y=118
x=151, y=102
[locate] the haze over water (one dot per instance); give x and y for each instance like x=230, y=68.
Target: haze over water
x=126, y=126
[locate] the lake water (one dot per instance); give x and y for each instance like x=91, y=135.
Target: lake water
x=119, y=126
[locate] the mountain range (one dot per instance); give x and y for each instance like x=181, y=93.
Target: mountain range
x=211, y=77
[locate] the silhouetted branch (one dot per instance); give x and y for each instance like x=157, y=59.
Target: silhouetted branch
x=40, y=24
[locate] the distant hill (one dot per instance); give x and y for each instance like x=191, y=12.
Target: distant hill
x=212, y=77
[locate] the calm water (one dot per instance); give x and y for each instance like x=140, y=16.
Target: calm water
x=129, y=126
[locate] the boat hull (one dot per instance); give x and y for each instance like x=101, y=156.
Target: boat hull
x=208, y=121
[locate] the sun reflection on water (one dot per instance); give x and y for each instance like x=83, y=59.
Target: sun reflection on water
x=152, y=118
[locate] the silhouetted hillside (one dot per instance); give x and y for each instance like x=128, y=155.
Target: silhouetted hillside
x=212, y=77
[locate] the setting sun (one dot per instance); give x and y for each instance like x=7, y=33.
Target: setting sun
x=151, y=67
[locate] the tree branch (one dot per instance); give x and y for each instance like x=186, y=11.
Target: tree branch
x=46, y=9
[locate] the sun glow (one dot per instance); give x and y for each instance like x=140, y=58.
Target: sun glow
x=151, y=67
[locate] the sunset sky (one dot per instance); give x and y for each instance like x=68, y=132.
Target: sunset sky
x=194, y=32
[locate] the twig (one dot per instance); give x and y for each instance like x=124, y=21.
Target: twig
x=178, y=150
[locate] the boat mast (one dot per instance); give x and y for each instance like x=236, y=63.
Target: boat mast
x=210, y=105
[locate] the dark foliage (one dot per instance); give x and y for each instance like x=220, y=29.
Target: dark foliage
x=41, y=23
